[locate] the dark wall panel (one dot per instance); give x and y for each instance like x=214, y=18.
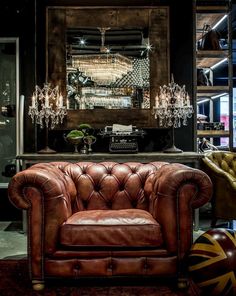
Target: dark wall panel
x=18, y=18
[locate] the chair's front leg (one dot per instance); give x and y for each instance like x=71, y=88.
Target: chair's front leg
x=38, y=285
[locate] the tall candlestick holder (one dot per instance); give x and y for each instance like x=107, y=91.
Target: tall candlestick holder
x=172, y=109
x=47, y=110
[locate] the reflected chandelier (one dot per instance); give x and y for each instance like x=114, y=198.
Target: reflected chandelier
x=103, y=68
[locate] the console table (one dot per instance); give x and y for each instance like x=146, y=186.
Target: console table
x=188, y=158
x=191, y=158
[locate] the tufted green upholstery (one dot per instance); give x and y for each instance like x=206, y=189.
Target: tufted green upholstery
x=221, y=168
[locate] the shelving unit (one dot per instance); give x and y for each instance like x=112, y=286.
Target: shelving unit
x=212, y=133
x=208, y=60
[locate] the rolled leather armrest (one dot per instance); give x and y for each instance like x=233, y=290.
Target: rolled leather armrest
x=177, y=189
x=47, y=194
x=49, y=180
x=217, y=171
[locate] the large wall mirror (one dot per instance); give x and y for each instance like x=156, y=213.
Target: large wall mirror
x=109, y=62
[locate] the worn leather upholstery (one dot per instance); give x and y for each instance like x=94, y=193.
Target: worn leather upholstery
x=108, y=219
x=221, y=167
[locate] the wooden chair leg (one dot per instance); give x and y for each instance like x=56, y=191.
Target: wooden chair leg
x=38, y=285
x=183, y=283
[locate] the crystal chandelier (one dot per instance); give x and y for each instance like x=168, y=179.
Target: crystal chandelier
x=103, y=68
x=172, y=108
x=47, y=109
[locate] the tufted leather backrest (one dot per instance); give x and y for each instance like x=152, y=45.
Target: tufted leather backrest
x=224, y=160
x=110, y=185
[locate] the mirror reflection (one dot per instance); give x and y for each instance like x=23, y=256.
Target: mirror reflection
x=108, y=68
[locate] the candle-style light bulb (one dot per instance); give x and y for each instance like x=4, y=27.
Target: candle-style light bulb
x=157, y=101
x=60, y=101
x=46, y=101
x=33, y=101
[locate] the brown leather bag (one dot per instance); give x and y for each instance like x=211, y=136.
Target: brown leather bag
x=202, y=79
x=210, y=39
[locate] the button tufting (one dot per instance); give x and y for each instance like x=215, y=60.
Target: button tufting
x=109, y=204
x=96, y=188
x=122, y=187
x=134, y=204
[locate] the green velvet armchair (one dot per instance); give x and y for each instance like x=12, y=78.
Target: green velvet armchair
x=221, y=168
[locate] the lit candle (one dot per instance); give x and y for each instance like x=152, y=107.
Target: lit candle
x=157, y=101
x=60, y=101
x=67, y=104
x=33, y=101
x=188, y=100
x=46, y=101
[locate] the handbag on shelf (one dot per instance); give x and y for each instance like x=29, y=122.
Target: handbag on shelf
x=202, y=79
x=210, y=39
x=205, y=145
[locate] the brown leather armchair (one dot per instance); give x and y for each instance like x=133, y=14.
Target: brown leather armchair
x=221, y=168
x=109, y=219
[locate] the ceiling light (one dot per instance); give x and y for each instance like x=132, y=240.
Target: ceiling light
x=82, y=42
x=218, y=64
x=148, y=46
x=103, y=68
x=219, y=22
x=203, y=101
x=215, y=66
x=217, y=96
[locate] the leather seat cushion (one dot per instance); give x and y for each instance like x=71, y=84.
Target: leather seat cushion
x=111, y=228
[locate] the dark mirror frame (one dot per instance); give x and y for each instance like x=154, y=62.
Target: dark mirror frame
x=59, y=19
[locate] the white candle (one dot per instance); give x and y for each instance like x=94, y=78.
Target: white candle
x=188, y=100
x=33, y=101
x=60, y=101
x=46, y=101
x=157, y=101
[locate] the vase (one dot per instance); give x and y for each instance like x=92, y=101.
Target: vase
x=89, y=140
x=76, y=142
